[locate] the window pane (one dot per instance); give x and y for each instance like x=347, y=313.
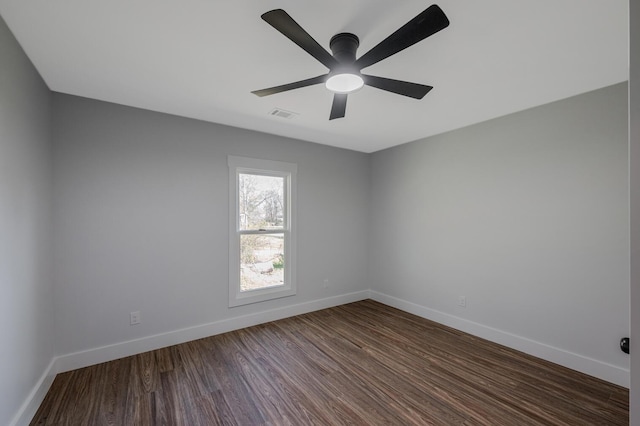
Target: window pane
x=261, y=200
x=261, y=261
x=262, y=222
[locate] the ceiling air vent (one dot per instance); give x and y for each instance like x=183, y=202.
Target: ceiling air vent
x=279, y=112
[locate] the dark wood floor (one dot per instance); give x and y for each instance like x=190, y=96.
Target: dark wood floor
x=361, y=363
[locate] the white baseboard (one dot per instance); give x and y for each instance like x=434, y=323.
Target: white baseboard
x=36, y=396
x=123, y=349
x=592, y=367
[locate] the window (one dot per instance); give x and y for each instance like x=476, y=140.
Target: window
x=262, y=230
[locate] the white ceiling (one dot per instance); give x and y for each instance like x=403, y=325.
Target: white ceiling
x=201, y=59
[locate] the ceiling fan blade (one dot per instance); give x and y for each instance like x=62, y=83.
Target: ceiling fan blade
x=405, y=88
x=429, y=22
x=281, y=21
x=295, y=85
x=339, y=106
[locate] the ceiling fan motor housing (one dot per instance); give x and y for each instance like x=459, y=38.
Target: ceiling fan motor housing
x=344, y=46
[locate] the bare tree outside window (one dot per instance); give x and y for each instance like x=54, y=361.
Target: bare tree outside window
x=261, y=208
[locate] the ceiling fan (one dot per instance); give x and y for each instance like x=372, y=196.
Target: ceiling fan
x=344, y=74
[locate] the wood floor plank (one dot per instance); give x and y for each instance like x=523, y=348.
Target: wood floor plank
x=299, y=380
x=115, y=384
x=360, y=363
x=164, y=359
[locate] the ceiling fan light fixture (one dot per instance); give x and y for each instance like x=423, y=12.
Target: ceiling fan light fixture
x=344, y=82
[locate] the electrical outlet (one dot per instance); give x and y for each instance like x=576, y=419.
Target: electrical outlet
x=462, y=301
x=135, y=318
x=325, y=283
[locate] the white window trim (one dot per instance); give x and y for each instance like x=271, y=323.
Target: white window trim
x=238, y=165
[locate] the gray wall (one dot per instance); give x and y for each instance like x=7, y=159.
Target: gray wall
x=525, y=215
x=141, y=220
x=634, y=142
x=26, y=315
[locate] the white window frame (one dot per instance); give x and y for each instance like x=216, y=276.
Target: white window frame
x=246, y=165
